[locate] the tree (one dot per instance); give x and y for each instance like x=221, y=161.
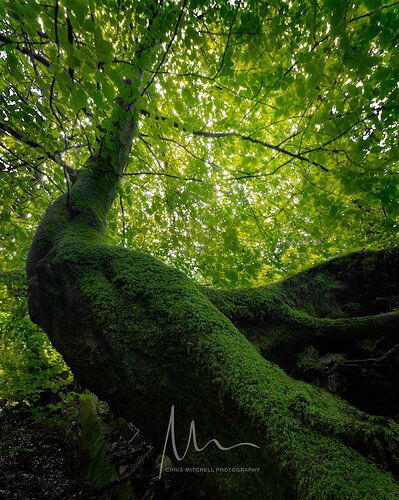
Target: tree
x=226, y=118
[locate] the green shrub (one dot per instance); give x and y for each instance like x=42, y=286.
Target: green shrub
x=30, y=368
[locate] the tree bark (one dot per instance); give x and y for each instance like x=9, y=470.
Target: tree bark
x=144, y=338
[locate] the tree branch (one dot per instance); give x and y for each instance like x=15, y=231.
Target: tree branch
x=167, y=48
x=218, y=135
x=56, y=157
x=27, y=52
x=164, y=174
x=228, y=40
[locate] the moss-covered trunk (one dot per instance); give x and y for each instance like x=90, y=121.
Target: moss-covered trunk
x=143, y=337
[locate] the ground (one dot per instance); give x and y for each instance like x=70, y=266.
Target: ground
x=34, y=460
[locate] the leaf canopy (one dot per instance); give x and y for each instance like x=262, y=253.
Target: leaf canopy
x=267, y=132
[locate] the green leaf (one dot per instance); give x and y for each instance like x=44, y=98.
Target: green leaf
x=27, y=10
x=12, y=60
x=372, y=4
x=108, y=90
x=105, y=50
x=73, y=62
x=78, y=99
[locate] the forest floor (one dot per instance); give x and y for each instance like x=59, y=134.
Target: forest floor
x=34, y=464
x=31, y=461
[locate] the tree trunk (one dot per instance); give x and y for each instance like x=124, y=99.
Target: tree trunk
x=144, y=337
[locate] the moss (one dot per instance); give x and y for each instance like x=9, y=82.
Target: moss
x=169, y=340
x=309, y=362
x=144, y=337
x=86, y=448
x=353, y=309
x=86, y=427
x=311, y=308
x=95, y=465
